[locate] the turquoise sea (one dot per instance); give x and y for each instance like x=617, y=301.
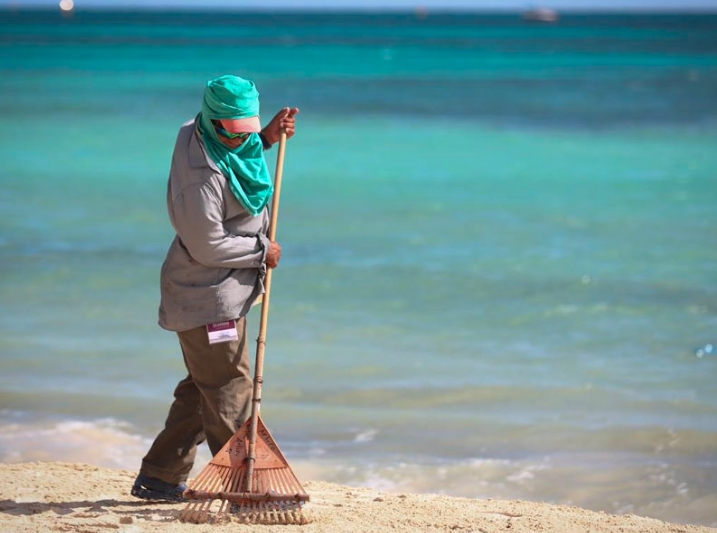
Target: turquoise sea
x=499, y=270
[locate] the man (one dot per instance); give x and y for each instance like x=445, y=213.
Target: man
x=217, y=196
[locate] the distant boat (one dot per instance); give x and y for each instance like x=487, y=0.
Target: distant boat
x=541, y=14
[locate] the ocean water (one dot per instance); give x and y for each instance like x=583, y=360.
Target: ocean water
x=499, y=246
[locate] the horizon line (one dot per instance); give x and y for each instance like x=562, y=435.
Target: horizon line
x=358, y=9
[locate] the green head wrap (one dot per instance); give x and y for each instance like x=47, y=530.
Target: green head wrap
x=232, y=97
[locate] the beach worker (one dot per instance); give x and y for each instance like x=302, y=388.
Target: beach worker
x=217, y=196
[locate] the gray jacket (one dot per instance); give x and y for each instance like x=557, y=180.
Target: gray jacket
x=215, y=267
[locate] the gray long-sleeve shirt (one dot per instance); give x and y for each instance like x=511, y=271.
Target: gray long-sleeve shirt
x=215, y=266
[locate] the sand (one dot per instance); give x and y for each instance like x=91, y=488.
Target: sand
x=79, y=498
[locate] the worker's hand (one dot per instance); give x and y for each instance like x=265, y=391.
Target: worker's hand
x=273, y=254
x=284, y=119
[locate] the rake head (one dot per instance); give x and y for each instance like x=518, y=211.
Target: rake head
x=219, y=491
x=270, y=508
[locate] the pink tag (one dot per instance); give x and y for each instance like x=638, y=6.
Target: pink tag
x=222, y=332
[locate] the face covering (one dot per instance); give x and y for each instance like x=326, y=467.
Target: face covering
x=244, y=167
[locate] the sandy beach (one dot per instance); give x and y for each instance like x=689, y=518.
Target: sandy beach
x=40, y=497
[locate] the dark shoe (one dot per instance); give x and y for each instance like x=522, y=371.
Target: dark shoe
x=149, y=488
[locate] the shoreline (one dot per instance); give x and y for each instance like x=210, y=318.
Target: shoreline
x=36, y=497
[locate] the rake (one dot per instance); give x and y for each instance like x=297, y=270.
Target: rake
x=249, y=478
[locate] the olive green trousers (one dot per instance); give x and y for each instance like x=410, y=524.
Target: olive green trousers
x=211, y=403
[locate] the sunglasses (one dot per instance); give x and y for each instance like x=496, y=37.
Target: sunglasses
x=224, y=133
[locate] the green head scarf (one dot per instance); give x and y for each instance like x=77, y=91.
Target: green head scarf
x=231, y=97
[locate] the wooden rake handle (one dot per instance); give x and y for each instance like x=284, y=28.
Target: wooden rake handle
x=277, y=186
x=261, y=339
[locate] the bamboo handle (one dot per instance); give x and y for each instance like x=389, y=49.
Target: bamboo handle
x=274, y=211
x=277, y=186
x=261, y=339
x=259, y=370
